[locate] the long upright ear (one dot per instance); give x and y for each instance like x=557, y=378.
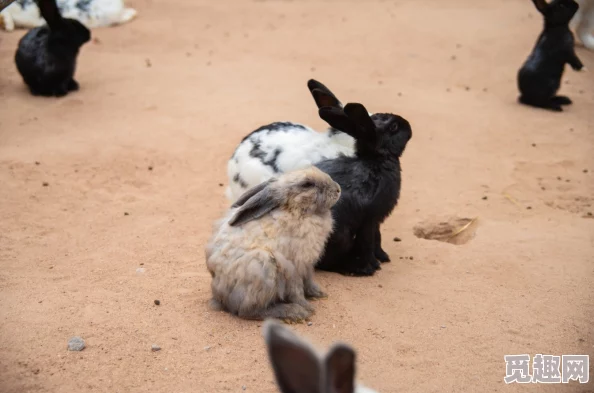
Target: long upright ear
x=340, y=369
x=260, y=203
x=365, y=127
x=296, y=366
x=339, y=120
x=50, y=12
x=322, y=95
x=541, y=5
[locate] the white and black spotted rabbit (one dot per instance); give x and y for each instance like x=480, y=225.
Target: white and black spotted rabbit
x=91, y=13
x=285, y=146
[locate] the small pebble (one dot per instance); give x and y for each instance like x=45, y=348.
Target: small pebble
x=148, y=63
x=45, y=184
x=76, y=343
x=140, y=270
x=157, y=302
x=243, y=387
x=542, y=188
x=150, y=168
x=534, y=145
x=155, y=348
x=558, y=177
x=448, y=89
x=485, y=198
x=399, y=94
x=126, y=213
x=442, y=326
x=585, y=171
x=397, y=239
x=467, y=88
x=309, y=323
x=221, y=184
x=411, y=258
x=485, y=89
x=37, y=162
x=590, y=214
x=380, y=286
x=529, y=207
x=453, y=57
x=207, y=348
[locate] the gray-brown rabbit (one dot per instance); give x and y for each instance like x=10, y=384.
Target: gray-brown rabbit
x=262, y=253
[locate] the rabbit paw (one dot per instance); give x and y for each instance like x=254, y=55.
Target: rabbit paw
x=381, y=255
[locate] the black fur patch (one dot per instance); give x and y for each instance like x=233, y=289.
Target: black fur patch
x=83, y=5
x=237, y=179
x=274, y=127
x=257, y=152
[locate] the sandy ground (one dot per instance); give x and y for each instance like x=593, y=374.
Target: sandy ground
x=175, y=91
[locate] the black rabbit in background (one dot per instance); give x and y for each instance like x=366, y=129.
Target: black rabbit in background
x=539, y=78
x=46, y=55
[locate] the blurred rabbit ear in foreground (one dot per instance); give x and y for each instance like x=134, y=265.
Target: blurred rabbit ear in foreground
x=298, y=368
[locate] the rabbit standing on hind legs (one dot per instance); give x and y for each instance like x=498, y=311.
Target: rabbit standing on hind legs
x=261, y=255
x=46, y=55
x=539, y=78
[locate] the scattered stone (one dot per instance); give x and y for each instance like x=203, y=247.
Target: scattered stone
x=534, y=145
x=558, y=177
x=126, y=213
x=140, y=270
x=448, y=89
x=442, y=326
x=453, y=57
x=96, y=40
x=529, y=207
x=243, y=387
x=485, y=89
x=150, y=168
x=380, y=286
x=45, y=184
x=76, y=343
x=397, y=239
x=585, y=171
x=207, y=348
x=309, y=323
x=155, y=348
x=221, y=184
x=542, y=188
x=590, y=214
x=485, y=198
x=399, y=94
x=37, y=162
x=467, y=88
x=157, y=302
x=148, y=63
x=411, y=258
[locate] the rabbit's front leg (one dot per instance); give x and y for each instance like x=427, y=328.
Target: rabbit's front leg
x=380, y=254
x=311, y=288
x=575, y=61
x=362, y=261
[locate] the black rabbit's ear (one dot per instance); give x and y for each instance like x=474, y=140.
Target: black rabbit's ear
x=541, y=5
x=340, y=369
x=50, y=12
x=360, y=117
x=322, y=95
x=339, y=120
x=296, y=366
x=255, y=203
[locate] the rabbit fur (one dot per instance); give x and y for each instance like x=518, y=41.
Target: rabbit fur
x=298, y=368
x=583, y=23
x=46, y=56
x=91, y=13
x=539, y=78
x=261, y=255
x=285, y=146
x=370, y=184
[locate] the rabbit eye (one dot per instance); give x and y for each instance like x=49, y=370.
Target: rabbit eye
x=307, y=184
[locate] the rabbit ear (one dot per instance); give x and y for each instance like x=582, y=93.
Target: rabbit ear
x=251, y=192
x=359, y=115
x=261, y=200
x=322, y=95
x=296, y=366
x=50, y=12
x=337, y=119
x=340, y=369
x=541, y=5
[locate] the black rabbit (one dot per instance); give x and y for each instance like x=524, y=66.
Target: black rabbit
x=46, y=55
x=540, y=76
x=370, y=184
